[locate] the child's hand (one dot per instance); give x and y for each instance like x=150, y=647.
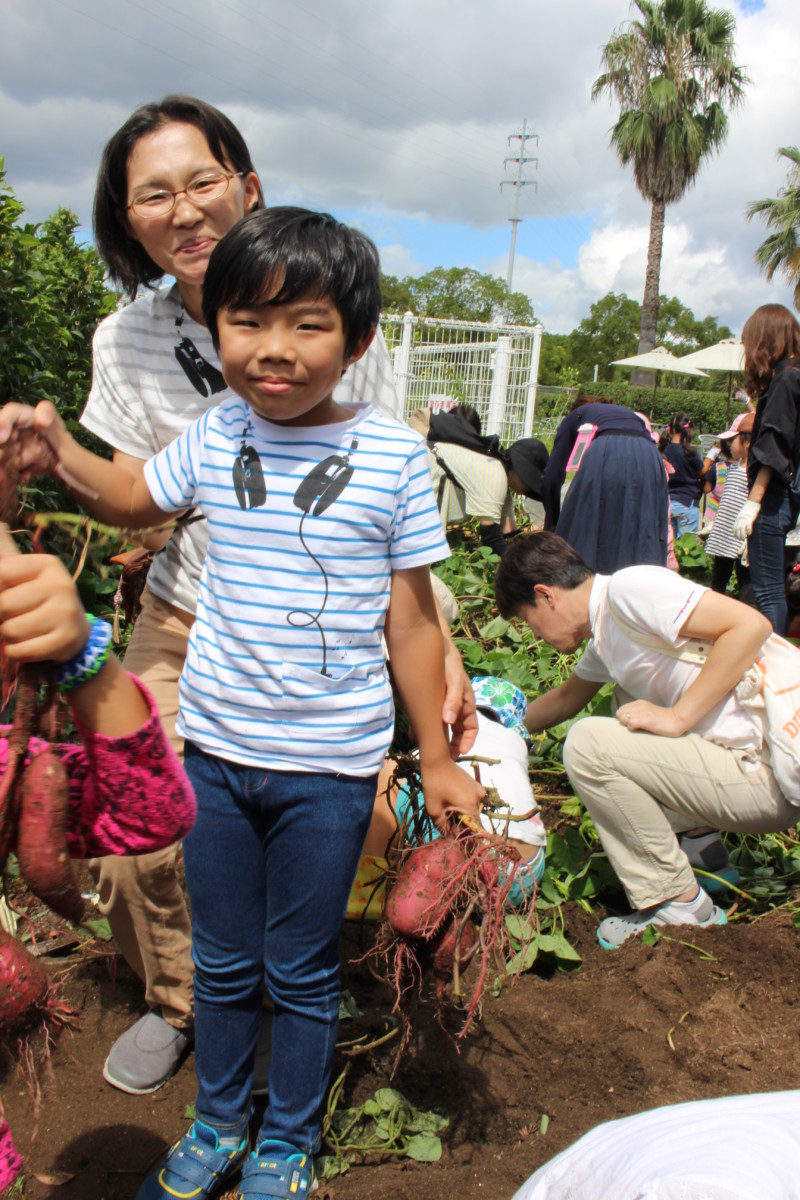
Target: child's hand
x=32, y=437
x=447, y=789
x=459, y=703
x=41, y=616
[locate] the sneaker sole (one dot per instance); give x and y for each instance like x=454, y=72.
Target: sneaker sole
x=134, y=1091
x=720, y=919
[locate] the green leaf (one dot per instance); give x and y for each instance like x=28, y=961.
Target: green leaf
x=424, y=1147
x=189, y=1113
x=100, y=928
x=495, y=629
x=389, y=1098
x=543, y=1124
x=651, y=936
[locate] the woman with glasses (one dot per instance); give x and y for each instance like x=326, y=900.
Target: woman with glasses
x=173, y=180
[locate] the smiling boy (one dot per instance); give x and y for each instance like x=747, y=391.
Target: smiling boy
x=322, y=525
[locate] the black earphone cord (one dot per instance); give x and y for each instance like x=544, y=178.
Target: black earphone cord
x=312, y=618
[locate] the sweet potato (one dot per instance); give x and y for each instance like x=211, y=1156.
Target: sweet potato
x=419, y=901
x=24, y=985
x=42, y=838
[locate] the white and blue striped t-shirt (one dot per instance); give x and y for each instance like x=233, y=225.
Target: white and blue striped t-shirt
x=285, y=667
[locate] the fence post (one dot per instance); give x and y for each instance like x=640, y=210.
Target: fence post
x=497, y=395
x=533, y=382
x=401, y=366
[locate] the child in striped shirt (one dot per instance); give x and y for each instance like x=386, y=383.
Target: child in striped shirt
x=322, y=525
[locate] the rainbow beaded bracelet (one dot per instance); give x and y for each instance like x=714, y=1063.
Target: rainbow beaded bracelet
x=89, y=661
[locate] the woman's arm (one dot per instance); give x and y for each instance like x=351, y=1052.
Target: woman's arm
x=414, y=642
x=563, y=702
x=556, y=469
x=128, y=792
x=738, y=632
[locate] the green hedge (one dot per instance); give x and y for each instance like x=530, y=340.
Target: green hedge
x=708, y=409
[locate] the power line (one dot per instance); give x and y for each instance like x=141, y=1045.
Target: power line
x=518, y=184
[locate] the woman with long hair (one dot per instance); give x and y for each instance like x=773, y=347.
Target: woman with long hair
x=771, y=339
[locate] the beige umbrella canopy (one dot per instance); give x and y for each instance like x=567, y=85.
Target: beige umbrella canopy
x=658, y=360
x=727, y=356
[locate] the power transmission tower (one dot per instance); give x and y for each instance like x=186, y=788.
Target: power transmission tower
x=518, y=184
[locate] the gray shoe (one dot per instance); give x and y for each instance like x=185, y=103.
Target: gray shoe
x=263, y=1055
x=146, y=1055
x=614, y=932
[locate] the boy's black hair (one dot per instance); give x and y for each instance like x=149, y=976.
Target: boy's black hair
x=279, y=254
x=538, y=558
x=128, y=262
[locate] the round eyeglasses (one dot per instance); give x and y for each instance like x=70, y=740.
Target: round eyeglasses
x=200, y=191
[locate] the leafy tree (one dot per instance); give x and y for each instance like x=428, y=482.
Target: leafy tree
x=671, y=72
x=52, y=295
x=780, y=251
x=458, y=293
x=609, y=332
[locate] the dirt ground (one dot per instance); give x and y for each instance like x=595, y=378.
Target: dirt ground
x=632, y=1029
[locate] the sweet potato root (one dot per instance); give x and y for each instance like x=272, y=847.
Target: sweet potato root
x=42, y=837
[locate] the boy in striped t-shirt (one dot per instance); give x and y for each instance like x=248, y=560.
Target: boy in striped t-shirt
x=322, y=525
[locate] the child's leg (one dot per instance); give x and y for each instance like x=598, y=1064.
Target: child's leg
x=225, y=877
x=317, y=828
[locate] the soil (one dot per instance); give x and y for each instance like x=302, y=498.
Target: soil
x=630, y=1030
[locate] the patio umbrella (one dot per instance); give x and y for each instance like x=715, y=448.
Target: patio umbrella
x=727, y=356
x=658, y=360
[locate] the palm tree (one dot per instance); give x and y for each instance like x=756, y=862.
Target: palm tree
x=781, y=250
x=672, y=73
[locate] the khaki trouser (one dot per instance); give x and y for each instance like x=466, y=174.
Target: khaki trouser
x=640, y=790
x=141, y=896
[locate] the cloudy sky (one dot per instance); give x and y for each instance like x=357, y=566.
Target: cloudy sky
x=395, y=116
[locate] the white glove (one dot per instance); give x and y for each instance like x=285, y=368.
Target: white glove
x=743, y=525
x=713, y=454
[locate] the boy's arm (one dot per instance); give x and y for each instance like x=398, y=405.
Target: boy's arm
x=38, y=441
x=414, y=641
x=563, y=702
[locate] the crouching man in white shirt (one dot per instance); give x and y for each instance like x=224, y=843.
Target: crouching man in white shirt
x=681, y=752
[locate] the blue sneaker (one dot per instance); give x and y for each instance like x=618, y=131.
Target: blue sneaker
x=195, y=1167
x=527, y=878
x=267, y=1173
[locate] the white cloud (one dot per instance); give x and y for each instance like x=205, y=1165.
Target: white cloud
x=405, y=110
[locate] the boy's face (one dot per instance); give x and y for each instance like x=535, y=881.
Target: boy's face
x=286, y=359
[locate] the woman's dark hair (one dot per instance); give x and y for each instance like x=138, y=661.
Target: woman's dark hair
x=682, y=424
x=584, y=398
x=128, y=263
x=279, y=254
x=468, y=414
x=769, y=335
x=540, y=557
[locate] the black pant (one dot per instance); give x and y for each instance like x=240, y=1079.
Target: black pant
x=722, y=570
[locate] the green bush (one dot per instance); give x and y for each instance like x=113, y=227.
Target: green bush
x=707, y=409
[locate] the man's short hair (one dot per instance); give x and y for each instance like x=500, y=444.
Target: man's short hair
x=283, y=253
x=537, y=558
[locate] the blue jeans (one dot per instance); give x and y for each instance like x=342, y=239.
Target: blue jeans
x=685, y=517
x=765, y=549
x=269, y=867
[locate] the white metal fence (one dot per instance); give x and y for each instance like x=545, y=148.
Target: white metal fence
x=493, y=367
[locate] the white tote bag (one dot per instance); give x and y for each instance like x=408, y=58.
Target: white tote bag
x=770, y=688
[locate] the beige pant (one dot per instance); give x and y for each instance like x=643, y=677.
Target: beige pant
x=640, y=790
x=141, y=896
